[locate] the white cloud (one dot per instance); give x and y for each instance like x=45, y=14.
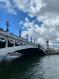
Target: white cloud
x=8, y=6
x=33, y=30
x=48, y=30
x=30, y=6
x=38, y=7
x=46, y=11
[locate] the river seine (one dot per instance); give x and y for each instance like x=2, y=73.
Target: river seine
x=46, y=67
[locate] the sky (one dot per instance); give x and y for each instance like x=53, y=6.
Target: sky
x=37, y=18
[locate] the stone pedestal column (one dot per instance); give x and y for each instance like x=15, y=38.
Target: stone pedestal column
x=14, y=43
x=6, y=45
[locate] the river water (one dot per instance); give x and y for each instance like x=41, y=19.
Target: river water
x=46, y=67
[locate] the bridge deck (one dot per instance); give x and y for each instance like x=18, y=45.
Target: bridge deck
x=12, y=49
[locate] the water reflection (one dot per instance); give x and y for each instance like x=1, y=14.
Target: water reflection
x=46, y=67
x=22, y=68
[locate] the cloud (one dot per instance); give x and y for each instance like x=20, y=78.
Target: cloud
x=51, y=6
x=30, y=6
x=8, y=6
x=48, y=30
x=33, y=30
x=38, y=7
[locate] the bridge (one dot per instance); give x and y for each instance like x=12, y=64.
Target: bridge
x=11, y=43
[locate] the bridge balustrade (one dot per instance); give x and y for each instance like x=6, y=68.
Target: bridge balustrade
x=16, y=39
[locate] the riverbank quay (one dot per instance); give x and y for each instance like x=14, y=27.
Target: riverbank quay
x=52, y=51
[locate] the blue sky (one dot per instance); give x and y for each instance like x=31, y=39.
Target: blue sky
x=15, y=20
x=39, y=19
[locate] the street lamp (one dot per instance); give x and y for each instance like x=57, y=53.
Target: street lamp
x=8, y=25
x=31, y=39
x=34, y=41
x=20, y=33
x=27, y=36
x=47, y=43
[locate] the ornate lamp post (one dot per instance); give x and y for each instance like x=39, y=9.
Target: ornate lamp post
x=47, y=44
x=20, y=33
x=27, y=36
x=34, y=41
x=31, y=39
x=7, y=30
x=8, y=25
